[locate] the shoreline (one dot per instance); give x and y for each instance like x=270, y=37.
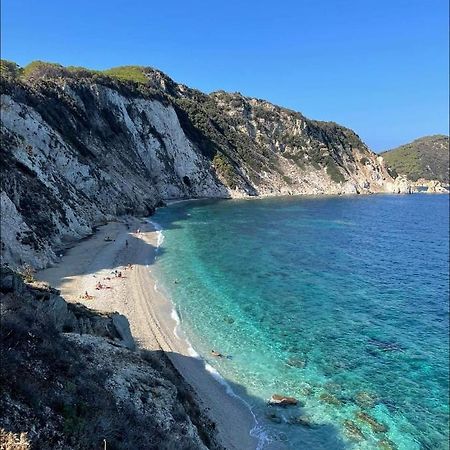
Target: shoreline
x=150, y=314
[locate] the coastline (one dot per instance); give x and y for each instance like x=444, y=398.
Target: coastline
x=150, y=314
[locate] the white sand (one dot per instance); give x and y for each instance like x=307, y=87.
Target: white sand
x=133, y=295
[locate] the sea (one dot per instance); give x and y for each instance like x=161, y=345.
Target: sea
x=341, y=302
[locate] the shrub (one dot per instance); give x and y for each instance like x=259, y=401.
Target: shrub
x=333, y=171
x=224, y=168
x=27, y=272
x=9, y=69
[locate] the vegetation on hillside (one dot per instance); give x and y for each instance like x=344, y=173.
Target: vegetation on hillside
x=128, y=73
x=427, y=158
x=42, y=69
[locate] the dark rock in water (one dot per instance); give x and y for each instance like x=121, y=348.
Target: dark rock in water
x=386, y=346
x=353, y=431
x=296, y=362
x=307, y=391
x=387, y=444
x=366, y=399
x=330, y=399
x=275, y=418
x=377, y=427
x=303, y=421
x=282, y=400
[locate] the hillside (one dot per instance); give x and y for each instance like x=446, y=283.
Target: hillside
x=427, y=158
x=81, y=147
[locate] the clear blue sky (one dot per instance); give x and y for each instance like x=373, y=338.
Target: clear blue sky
x=379, y=67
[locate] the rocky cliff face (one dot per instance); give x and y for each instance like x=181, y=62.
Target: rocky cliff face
x=80, y=147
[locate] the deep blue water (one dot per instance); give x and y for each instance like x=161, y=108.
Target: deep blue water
x=341, y=302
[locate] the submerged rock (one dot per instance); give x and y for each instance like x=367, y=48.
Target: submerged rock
x=366, y=399
x=307, y=390
x=273, y=417
x=376, y=426
x=387, y=444
x=330, y=399
x=296, y=362
x=353, y=431
x=303, y=421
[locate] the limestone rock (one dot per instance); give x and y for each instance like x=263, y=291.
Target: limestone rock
x=282, y=400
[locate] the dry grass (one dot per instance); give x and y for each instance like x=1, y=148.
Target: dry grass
x=11, y=441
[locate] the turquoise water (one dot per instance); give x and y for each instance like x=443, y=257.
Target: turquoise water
x=341, y=302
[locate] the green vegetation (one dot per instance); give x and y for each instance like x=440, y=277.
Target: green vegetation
x=223, y=166
x=427, y=158
x=27, y=273
x=127, y=73
x=287, y=179
x=41, y=69
x=364, y=160
x=333, y=171
x=9, y=69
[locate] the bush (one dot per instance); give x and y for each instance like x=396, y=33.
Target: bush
x=364, y=160
x=9, y=69
x=225, y=169
x=27, y=272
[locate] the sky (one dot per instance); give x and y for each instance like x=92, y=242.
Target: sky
x=380, y=67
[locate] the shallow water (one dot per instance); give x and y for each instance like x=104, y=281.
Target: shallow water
x=341, y=302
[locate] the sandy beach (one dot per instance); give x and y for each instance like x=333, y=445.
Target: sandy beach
x=118, y=247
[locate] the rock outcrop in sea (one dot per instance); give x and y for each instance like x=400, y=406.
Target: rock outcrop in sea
x=80, y=147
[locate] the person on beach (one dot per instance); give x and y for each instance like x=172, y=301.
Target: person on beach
x=126, y=242
x=216, y=354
